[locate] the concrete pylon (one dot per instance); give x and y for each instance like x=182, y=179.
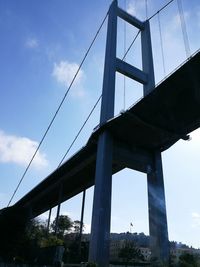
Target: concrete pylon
x=156, y=196
x=157, y=212
x=100, y=229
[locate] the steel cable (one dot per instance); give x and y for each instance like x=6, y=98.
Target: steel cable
x=58, y=109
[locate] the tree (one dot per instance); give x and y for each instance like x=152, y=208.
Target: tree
x=36, y=230
x=77, y=227
x=188, y=260
x=51, y=240
x=130, y=252
x=64, y=224
x=13, y=223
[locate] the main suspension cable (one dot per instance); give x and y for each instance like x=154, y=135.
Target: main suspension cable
x=129, y=48
x=63, y=158
x=123, y=59
x=160, y=9
x=62, y=101
x=58, y=109
x=80, y=130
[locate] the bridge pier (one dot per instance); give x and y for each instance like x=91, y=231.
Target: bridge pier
x=100, y=229
x=159, y=243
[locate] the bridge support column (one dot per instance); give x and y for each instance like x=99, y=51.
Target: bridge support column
x=100, y=230
x=157, y=212
x=49, y=220
x=58, y=208
x=82, y=214
x=156, y=195
x=81, y=223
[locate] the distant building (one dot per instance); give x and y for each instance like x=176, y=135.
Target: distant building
x=118, y=241
x=146, y=252
x=177, y=252
x=115, y=247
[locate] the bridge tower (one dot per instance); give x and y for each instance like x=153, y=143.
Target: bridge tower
x=100, y=230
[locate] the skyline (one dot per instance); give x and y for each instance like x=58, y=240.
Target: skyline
x=41, y=49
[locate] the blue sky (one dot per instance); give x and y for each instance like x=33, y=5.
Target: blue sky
x=42, y=44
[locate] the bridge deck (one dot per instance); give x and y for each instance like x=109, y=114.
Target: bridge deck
x=167, y=114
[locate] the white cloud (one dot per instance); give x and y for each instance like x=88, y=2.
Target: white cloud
x=196, y=215
x=136, y=10
x=20, y=150
x=176, y=20
x=64, y=72
x=32, y=43
x=131, y=9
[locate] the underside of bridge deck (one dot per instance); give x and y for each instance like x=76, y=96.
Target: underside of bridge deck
x=169, y=113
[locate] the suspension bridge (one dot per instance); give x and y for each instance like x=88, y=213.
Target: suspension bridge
x=135, y=139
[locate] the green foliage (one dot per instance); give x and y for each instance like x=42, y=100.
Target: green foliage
x=36, y=230
x=188, y=260
x=51, y=240
x=64, y=224
x=130, y=252
x=77, y=226
x=28, y=240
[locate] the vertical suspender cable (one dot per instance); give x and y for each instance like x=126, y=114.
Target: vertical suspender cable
x=49, y=220
x=184, y=30
x=124, y=104
x=82, y=215
x=146, y=9
x=161, y=43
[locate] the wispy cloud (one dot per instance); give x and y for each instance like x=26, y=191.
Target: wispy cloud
x=131, y=9
x=19, y=150
x=136, y=10
x=32, y=43
x=176, y=20
x=64, y=72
